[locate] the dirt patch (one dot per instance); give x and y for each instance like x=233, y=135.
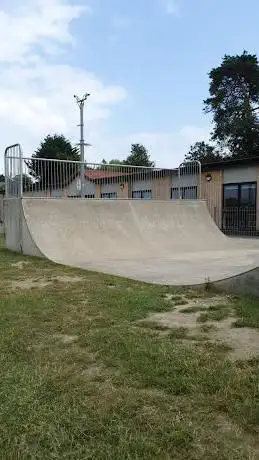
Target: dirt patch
x=242, y=342
x=179, y=318
x=93, y=371
x=20, y=264
x=40, y=283
x=68, y=279
x=30, y=284
x=65, y=338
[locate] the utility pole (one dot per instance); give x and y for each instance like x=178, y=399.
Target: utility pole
x=81, y=104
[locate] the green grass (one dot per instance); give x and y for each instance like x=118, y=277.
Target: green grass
x=113, y=390
x=215, y=313
x=247, y=309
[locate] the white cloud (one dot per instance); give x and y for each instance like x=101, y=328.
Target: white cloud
x=37, y=23
x=167, y=149
x=36, y=96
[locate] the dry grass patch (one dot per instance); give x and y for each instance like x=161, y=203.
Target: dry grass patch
x=40, y=283
x=218, y=325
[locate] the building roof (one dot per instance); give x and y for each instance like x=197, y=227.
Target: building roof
x=99, y=174
x=230, y=162
x=126, y=171
x=121, y=172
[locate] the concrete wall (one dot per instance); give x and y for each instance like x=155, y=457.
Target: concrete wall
x=1, y=213
x=17, y=235
x=13, y=222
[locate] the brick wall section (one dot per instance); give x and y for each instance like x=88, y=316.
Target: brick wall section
x=211, y=191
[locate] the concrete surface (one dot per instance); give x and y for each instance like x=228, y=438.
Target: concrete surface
x=163, y=242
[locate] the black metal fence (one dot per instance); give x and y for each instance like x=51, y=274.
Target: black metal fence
x=239, y=221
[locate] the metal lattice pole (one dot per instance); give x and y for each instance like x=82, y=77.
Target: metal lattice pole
x=81, y=104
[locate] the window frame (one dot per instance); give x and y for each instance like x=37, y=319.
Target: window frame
x=183, y=190
x=141, y=192
x=109, y=196
x=239, y=188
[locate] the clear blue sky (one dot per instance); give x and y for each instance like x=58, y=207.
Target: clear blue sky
x=152, y=55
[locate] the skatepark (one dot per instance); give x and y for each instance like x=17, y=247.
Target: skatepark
x=161, y=242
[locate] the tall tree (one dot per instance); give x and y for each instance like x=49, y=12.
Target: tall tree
x=233, y=102
x=2, y=178
x=205, y=153
x=112, y=162
x=54, y=174
x=139, y=156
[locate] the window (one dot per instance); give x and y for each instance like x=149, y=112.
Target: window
x=90, y=196
x=248, y=194
x=239, y=211
x=79, y=196
x=187, y=193
x=237, y=195
x=109, y=196
x=142, y=195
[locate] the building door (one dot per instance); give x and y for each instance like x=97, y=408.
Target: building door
x=239, y=209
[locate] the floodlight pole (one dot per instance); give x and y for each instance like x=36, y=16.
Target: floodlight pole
x=81, y=104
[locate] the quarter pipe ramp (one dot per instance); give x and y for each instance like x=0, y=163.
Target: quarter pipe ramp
x=163, y=242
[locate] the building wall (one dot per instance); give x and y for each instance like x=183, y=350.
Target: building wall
x=74, y=188
x=123, y=191
x=212, y=191
x=240, y=174
x=141, y=185
x=110, y=188
x=161, y=188
x=186, y=180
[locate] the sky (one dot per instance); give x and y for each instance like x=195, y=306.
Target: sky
x=144, y=62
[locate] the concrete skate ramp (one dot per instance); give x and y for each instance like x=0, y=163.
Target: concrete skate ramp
x=164, y=242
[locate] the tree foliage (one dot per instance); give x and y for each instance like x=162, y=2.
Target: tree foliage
x=233, y=102
x=54, y=174
x=139, y=156
x=27, y=183
x=112, y=162
x=205, y=153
